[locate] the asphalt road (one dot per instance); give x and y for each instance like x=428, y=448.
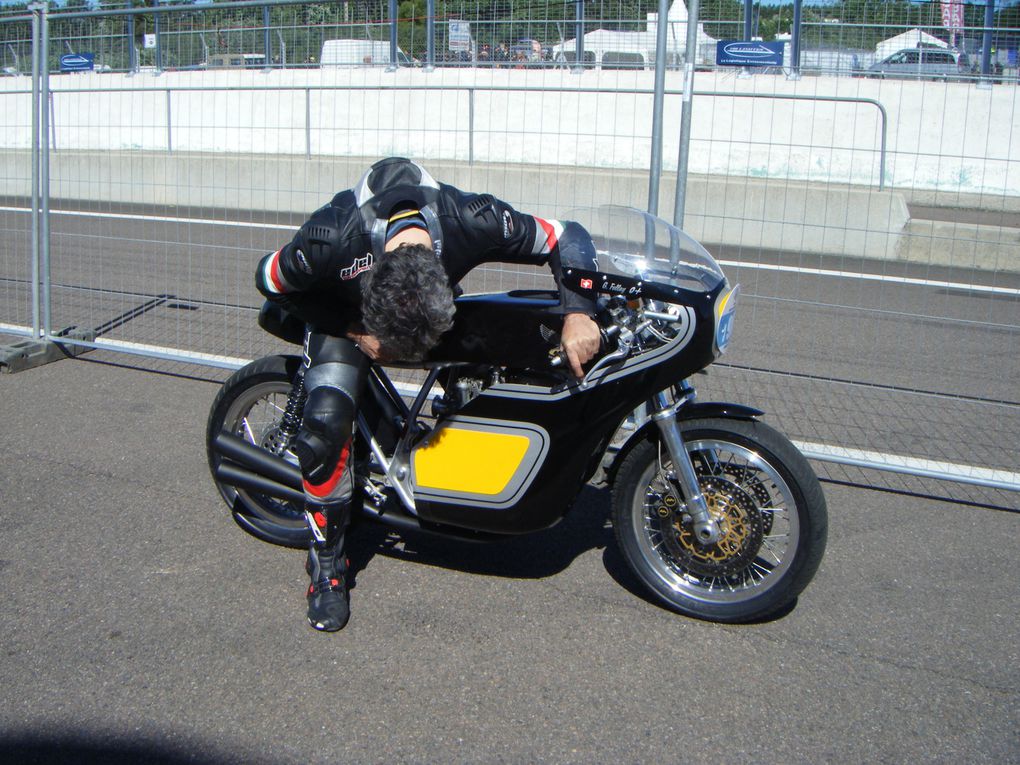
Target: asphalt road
x=140, y=625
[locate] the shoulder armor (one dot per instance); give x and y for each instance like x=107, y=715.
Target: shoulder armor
x=320, y=233
x=482, y=213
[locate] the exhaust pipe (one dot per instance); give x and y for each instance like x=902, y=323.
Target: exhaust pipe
x=234, y=475
x=257, y=460
x=245, y=466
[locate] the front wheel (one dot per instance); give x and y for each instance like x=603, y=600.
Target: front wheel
x=766, y=499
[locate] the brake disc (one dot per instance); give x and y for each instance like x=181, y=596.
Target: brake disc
x=741, y=523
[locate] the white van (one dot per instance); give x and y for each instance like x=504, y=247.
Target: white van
x=347, y=53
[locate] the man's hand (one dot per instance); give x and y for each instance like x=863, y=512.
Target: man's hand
x=580, y=340
x=367, y=344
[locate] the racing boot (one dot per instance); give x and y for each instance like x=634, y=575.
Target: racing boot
x=328, y=602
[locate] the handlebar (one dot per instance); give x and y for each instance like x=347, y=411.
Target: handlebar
x=557, y=358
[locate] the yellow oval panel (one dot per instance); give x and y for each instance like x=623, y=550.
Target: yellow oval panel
x=470, y=461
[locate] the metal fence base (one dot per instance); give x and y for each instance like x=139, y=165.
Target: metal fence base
x=29, y=354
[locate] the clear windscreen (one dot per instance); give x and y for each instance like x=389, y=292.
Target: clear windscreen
x=638, y=245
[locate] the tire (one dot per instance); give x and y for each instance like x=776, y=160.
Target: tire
x=772, y=508
x=250, y=404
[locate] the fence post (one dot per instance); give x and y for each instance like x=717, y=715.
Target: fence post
x=471, y=126
x=393, y=37
x=132, y=52
x=690, y=54
x=37, y=106
x=169, y=125
x=579, y=36
x=655, y=163
x=986, y=39
x=267, y=38
x=430, y=35
x=155, y=30
x=308, y=123
x=795, y=42
x=44, y=170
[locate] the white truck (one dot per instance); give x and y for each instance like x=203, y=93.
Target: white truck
x=349, y=53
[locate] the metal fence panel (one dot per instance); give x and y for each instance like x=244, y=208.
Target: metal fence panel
x=873, y=223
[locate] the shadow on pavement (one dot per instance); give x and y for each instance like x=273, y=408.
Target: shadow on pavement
x=530, y=556
x=85, y=749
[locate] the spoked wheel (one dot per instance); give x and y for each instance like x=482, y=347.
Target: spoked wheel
x=251, y=405
x=762, y=493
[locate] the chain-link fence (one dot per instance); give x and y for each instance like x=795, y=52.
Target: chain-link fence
x=873, y=218
x=840, y=37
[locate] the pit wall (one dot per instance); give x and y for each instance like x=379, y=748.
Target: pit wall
x=788, y=170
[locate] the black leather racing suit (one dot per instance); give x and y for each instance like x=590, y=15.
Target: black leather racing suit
x=317, y=278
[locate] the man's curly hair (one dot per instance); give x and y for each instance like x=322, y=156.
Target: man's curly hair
x=406, y=302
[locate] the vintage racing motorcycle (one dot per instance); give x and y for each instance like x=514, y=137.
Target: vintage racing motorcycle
x=717, y=513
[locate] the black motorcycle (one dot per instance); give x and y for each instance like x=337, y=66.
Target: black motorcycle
x=717, y=513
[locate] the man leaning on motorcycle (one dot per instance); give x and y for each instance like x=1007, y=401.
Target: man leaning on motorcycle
x=373, y=276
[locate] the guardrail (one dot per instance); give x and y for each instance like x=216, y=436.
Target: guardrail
x=470, y=90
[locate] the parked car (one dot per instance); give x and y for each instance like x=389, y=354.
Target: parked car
x=926, y=63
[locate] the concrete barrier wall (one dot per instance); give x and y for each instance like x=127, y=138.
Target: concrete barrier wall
x=771, y=173
x=948, y=137
x=740, y=212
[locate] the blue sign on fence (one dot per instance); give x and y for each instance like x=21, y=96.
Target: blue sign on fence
x=77, y=62
x=748, y=53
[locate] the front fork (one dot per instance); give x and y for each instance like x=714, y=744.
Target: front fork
x=664, y=415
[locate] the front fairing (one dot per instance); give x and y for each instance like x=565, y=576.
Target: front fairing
x=656, y=261
x=633, y=243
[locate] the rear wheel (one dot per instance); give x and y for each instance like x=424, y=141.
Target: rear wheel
x=250, y=405
x=765, y=498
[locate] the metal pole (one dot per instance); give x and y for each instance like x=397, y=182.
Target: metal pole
x=53, y=125
x=655, y=163
x=690, y=54
x=471, y=126
x=308, y=123
x=267, y=42
x=169, y=125
x=44, y=170
x=579, y=36
x=283, y=50
x=986, y=39
x=132, y=53
x=155, y=29
x=393, y=37
x=430, y=35
x=795, y=41
x=37, y=106
x=745, y=71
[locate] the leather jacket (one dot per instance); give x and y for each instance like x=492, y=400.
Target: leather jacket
x=317, y=276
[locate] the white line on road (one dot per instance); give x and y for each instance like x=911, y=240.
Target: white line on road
x=875, y=277
x=159, y=219
x=731, y=263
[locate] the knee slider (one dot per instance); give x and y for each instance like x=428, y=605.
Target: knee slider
x=325, y=429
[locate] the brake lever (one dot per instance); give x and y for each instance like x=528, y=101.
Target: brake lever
x=624, y=344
